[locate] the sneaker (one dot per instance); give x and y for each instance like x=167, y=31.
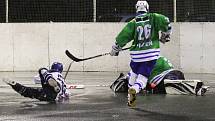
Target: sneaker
x=131, y=97
x=9, y=82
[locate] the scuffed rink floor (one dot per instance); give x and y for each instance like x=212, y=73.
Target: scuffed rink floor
x=99, y=103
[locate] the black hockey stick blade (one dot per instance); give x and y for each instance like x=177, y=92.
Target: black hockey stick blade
x=78, y=59
x=72, y=57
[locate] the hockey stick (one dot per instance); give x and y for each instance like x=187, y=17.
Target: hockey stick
x=182, y=81
x=78, y=59
x=82, y=86
x=67, y=71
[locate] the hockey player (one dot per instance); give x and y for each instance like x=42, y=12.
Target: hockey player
x=158, y=74
x=145, y=50
x=165, y=80
x=53, y=85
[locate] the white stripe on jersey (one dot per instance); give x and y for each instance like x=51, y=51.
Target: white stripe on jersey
x=157, y=79
x=142, y=21
x=145, y=55
x=145, y=59
x=47, y=76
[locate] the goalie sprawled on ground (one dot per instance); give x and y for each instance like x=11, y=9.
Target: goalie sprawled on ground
x=167, y=81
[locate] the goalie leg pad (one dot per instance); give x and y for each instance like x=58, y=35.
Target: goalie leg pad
x=120, y=84
x=188, y=87
x=200, y=89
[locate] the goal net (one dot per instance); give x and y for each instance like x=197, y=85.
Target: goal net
x=102, y=10
x=195, y=10
x=50, y=10
x=2, y=11
x=124, y=10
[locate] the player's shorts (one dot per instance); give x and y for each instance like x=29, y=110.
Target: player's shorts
x=143, y=68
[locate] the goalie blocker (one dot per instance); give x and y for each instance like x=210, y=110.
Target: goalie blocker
x=173, y=82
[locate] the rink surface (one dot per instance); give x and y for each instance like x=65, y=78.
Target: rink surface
x=99, y=103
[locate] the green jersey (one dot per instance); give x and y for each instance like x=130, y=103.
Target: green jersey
x=162, y=67
x=144, y=31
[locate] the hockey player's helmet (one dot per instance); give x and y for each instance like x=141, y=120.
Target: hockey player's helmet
x=56, y=66
x=142, y=6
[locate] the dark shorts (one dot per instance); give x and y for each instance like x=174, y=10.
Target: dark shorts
x=143, y=68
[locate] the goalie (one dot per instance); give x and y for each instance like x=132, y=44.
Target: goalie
x=53, y=85
x=163, y=80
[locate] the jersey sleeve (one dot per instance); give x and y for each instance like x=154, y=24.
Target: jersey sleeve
x=163, y=23
x=126, y=35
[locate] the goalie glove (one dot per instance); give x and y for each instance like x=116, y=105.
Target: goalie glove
x=165, y=37
x=115, y=50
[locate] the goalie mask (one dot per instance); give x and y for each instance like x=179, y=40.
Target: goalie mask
x=142, y=6
x=56, y=66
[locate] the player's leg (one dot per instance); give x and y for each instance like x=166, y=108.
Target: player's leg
x=132, y=79
x=139, y=84
x=30, y=92
x=141, y=71
x=131, y=82
x=131, y=91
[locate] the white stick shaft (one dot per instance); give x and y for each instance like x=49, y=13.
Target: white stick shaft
x=68, y=70
x=81, y=86
x=75, y=86
x=181, y=81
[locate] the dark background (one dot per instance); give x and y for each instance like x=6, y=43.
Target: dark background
x=106, y=10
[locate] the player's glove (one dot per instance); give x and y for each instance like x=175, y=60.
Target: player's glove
x=165, y=37
x=115, y=50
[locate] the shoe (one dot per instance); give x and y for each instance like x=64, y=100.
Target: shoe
x=131, y=97
x=9, y=82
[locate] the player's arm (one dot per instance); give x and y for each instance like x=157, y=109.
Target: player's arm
x=165, y=27
x=125, y=36
x=47, y=78
x=41, y=72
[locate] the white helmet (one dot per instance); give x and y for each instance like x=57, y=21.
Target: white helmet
x=142, y=6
